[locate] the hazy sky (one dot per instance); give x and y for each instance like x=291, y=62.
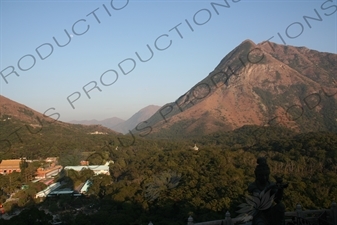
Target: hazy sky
x=188, y=39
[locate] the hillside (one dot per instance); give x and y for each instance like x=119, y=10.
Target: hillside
x=165, y=182
x=15, y=110
x=25, y=132
x=263, y=84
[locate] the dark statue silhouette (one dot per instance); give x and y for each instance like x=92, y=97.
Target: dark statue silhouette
x=274, y=214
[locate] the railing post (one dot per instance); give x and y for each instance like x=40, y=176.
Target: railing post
x=228, y=219
x=190, y=221
x=334, y=213
x=299, y=211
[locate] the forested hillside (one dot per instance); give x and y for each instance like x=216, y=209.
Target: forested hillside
x=165, y=181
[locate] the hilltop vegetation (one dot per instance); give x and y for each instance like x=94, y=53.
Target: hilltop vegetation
x=43, y=138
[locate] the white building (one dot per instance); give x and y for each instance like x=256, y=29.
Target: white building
x=46, y=191
x=85, y=187
x=98, y=132
x=97, y=169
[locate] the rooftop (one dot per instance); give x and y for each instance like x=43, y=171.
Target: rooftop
x=10, y=164
x=92, y=167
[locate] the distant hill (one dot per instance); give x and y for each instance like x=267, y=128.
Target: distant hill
x=109, y=123
x=142, y=115
x=25, y=132
x=123, y=126
x=255, y=84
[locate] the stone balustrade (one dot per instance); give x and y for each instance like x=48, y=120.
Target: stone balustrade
x=310, y=215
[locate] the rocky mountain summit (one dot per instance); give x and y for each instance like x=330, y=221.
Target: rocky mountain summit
x=255, y=84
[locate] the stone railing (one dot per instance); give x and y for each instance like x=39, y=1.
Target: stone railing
x=309, y=215
x=313, y=216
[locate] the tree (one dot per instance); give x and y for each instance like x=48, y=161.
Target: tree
x=31, y=216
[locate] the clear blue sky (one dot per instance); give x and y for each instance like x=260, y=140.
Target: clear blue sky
x=130, y=27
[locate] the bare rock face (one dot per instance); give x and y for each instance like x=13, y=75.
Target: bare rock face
x=264, y=84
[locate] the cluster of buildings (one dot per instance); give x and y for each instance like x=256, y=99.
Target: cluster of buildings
x=49, y=170
x=53, y=190
x=8, y=166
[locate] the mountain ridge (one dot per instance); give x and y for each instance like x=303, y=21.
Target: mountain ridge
x=120, y=125
x=109, y=122
x=143, y=114
x=257, y=83
x=25, y=132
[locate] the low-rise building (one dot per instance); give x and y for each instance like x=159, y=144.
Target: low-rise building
x=86, y=186
x=47, y=173
x=98, y=132
x=8, y=166
x=84, y=163
x=51, y=159
x=65, y=191
x=46, y=191
x=97, y=169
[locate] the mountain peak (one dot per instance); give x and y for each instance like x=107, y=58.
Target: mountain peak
x=232, y=58
x=250, y=85
x=246, y=45
x=248, y=41
x=151, y=108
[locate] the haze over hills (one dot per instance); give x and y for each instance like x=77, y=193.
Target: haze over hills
x=142, y=115
x=110, y=122
x=120, y=125
x=261, y=84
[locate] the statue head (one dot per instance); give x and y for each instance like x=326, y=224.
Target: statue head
x=262, y=171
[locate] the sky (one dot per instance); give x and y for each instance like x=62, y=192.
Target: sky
x=101, y=59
